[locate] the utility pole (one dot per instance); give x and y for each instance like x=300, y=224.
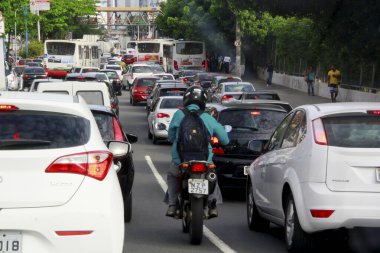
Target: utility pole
x=238, y=46
x=26, y=31
x=15, y=40
x=38, y=25
x=2, y=59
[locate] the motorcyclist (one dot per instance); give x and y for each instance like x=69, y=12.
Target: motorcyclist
x=194, y=99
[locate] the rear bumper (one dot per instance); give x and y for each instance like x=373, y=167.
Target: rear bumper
x=352, y=209
x=103, y=215
x=56, y=73
x=140, y=98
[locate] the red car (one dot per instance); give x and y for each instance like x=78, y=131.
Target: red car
x=141, y=88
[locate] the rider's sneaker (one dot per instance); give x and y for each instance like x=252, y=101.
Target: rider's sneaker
x=213, y=211
x=172, y=209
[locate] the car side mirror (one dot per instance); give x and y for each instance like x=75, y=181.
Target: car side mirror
x=132, y=138
x=119, y=149
x=256, y=146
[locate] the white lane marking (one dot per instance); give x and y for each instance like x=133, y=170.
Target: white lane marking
x=207, y=232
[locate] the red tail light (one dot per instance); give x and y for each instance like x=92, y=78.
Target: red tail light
x=162, y=115
x=175, y=65
x=226, y=97
x=93, y=164
x=203, y=63
x=319, y=132
x=25, y=76
x=218, y=151
x=374, y=112
x=186, y=79
x=321, y=213
x=8, y=108
x=161, y=61
x=71, y=233
x=118, y=133
x=198, y=168
x=214, y=141
x=44, y=76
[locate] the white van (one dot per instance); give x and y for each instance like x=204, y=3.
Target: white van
x=96, y=93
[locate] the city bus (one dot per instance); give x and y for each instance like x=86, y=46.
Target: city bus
x=186, y=55
x=60, y=56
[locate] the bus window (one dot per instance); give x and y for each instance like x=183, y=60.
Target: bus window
x=167, y=51
x=189, y=48
x=148, y=47
x=86, y=52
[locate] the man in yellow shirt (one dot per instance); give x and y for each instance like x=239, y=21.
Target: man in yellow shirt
x=333, y=80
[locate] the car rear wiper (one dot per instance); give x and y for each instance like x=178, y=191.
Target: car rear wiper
x=245, y=127
x=23, y=142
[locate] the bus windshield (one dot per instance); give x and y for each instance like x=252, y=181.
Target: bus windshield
x=60, y=48
x=189, y=48
x=148, y=47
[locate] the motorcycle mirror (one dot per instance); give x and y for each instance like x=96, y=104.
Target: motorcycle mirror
x=228, y=128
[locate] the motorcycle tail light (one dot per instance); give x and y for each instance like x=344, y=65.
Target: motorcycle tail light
x=185, y=165
x=198, y=168
x=211, y=166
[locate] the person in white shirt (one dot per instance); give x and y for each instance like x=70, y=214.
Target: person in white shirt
x=226, y=63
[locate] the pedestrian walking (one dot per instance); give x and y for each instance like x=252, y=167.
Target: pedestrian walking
x=333, y=81
x=309, y=79
x=226, y=64
x=270, y=69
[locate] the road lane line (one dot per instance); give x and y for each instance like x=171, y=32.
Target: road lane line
x=207, y=232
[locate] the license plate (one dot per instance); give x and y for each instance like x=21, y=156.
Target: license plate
x=198, y=186
x=378, y=174
x=10, y=242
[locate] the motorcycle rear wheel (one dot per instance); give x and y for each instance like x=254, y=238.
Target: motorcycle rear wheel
x=196, y=221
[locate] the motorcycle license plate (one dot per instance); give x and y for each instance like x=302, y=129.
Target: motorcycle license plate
x=198, y=186
x=10, y=242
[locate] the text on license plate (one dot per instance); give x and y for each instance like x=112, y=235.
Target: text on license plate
x=10, y=242
x=198, y=186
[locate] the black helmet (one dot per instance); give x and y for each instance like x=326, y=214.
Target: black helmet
x=195, y=95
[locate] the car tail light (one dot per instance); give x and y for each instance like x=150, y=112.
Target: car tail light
x=162, y=115
x=374, y=112
x=321, y=213
x=118, y=133
x=93, y=164
x=255, y=113
x=161, y=61
x=186, y=79
x=215, y=141
x=218, y=151
x=203, y=63
x=226, y=97
x=25, y=76
x=71, y=233
x=319, y=132
x=8, y=108
x=198, y=168
x=113, y=105
x=44, y=76
x=175, y=65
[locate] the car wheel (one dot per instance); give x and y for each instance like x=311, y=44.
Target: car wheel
x=128, y=208
x=149, y=133
x=255, y=221
x=130, y=100
x=296, y=239
x=134, y=102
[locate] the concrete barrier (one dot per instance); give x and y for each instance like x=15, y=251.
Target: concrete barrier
x=320, y=88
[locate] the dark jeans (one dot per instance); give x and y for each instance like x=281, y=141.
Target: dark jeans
x=269, y=79
x=310, y=88
x=226, y=67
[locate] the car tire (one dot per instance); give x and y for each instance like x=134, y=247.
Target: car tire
x=130, y=99
x=149, y=134
x=296, y=239
x=128, y=208
x=134, y=102
x=255, y=221
x=154, y=139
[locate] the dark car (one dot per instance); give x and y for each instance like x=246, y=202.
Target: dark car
x=204, y=80
x=114, y=79
x=248, y=122
x=31, y=73
x=270, y=95
x=111, y=129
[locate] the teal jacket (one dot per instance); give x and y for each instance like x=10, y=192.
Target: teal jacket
x=214, y=128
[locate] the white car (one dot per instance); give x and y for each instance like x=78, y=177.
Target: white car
x=133, y=71
x=62, y=190
x=164, y=76
x=84, y=69
x=161, y=115
x=228, y=91
x=319, y=171
x=117, y=68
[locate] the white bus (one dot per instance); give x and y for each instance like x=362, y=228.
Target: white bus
x=187, y=55
x=60, y=56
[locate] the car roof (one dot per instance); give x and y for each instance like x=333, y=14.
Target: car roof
x=166, y=86
x=107, y=70
x=236, y=83
x=68, y=84
x=146, y=77
x=88, y=74
x=53, y=97
x=261, y=106
x=171, y=97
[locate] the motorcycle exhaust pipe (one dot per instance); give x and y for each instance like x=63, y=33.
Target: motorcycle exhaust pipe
x=211, y=177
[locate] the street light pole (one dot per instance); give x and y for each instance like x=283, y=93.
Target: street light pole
x=15, y=40
x=26, y=31
x=238, y=46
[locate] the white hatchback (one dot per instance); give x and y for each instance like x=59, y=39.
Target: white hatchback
x=60, y=191
x=161, y=115
x=319, y=171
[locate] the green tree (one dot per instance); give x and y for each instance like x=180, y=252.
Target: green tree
x=35, y=49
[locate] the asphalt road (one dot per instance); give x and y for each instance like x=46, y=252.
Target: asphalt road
x=151, y=231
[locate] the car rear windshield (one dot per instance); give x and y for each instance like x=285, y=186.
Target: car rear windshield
x=112, y=75
x=146, y=82
x=92, y=97
x=205, y=77
x=105, y=125
x=165, y=77
x=260, y=121
x=262, y=96
x=353, y=131
x=89, y=70
x=22, y=130
x=238, y=88
x=115, y=67
x=34, y=71
x=172, y=92
x=168, y=103
x=141, y=69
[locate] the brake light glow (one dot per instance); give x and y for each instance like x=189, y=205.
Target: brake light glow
x=198, y=168
x=214, y=140
x=175, y=65
x=161, y=61
x=186, y=79
x=211, y=166
x=25, y=76
x=255, y=113
x=374, y=112
x=8, y=108
x=203, y=63
x=218, y=151
x=321, y=213
x=71, y=233
x=162, y=115
x=93, y=164
x=319, y=132
x=226, y=97
x=118, y=133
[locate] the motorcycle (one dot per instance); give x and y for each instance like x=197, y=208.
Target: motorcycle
x=197, y=180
